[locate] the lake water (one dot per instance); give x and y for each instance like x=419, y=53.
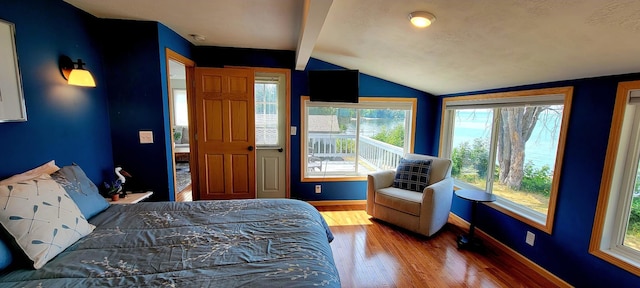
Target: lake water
x=541, y=148
x=371, y=126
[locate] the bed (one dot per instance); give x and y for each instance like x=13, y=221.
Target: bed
x=229, y=243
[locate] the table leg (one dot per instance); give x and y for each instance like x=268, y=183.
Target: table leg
x=468, y=241
x=472, y=225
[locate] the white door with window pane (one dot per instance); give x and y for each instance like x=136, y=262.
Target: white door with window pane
x=270, y=95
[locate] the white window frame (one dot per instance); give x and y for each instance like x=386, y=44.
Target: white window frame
x=549, y=96
x=618, y=178
x=410, y=104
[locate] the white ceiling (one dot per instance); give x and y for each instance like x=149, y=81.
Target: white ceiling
x=473, y=45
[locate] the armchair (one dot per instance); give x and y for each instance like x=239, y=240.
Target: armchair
x=423, y=212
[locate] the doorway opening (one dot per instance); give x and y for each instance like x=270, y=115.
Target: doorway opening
x=181, y=130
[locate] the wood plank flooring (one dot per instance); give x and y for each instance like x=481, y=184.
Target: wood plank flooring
x=370, y=253
x=185, y=195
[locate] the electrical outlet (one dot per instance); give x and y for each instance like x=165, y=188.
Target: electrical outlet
x=530, y=238
x=318, y=189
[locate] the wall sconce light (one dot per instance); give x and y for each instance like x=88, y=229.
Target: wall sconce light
x=75, y=75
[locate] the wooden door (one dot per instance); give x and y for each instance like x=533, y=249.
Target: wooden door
x=225, y=132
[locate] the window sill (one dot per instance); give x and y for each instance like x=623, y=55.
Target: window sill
x=532, y=218
x=619, y=258
x=527, y=216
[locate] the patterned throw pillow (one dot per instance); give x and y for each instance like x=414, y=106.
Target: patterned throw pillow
x=41, y=217
x=81, y=189
x=412, y=175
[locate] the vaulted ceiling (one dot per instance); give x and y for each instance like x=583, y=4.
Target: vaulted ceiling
x=473, y=45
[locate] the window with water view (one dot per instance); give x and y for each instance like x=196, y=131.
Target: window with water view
x=525, y=151
x=508, y=147
x=351, y=140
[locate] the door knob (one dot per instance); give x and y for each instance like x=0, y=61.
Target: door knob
x=250, y=148
x=280, y=149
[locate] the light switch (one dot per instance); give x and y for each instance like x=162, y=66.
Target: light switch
x=146, y=137
x=294, y=130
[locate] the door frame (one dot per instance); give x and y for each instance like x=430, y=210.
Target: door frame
x=189, y=66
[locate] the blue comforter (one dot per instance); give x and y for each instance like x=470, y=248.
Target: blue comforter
x=233, y=243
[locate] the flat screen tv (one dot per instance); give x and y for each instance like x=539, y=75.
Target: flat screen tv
x=334, y=85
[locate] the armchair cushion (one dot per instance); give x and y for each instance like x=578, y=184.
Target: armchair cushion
x=412, y=175
x=402, y=200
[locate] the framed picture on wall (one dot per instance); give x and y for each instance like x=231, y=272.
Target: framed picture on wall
x=12, y=107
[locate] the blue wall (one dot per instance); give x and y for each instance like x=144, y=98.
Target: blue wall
x=369, y=87
x=65, y=123
x=135, y=101
x=565, y=252
x=138, y=100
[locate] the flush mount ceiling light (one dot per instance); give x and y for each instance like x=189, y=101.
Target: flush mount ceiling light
x=198, y=37
x=421, y=19
x=75, y=75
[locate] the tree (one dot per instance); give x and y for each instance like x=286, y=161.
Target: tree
x=393, y=136
x=516, y=127
x=472, y=157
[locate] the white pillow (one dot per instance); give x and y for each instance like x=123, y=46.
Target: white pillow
x=42, y=218
x=46, y=169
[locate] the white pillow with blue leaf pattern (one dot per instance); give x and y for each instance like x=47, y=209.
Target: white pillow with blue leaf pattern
x=41, y=217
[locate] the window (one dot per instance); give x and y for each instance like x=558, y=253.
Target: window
x=345, y=141
x=180, y=110
x=509, y=144
x=616, y=228
x=266, y=102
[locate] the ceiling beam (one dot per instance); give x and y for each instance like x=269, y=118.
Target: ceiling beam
x=313, y=15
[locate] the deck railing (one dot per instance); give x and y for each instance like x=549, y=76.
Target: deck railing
x=378, y=154
x=373, y=153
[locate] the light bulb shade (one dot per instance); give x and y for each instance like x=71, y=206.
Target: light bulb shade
x=81, y=77
x=421, y=19
x=75, y=75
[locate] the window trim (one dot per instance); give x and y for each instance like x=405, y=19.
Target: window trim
x=543, y=96
x=303, y=135
x=603, y=240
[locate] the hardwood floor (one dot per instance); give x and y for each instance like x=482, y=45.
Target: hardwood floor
x=370, y=253
x=185, y=195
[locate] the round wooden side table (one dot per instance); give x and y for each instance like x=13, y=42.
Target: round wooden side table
x=475, y=196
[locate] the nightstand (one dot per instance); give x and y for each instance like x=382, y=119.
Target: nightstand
x=132, y=198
